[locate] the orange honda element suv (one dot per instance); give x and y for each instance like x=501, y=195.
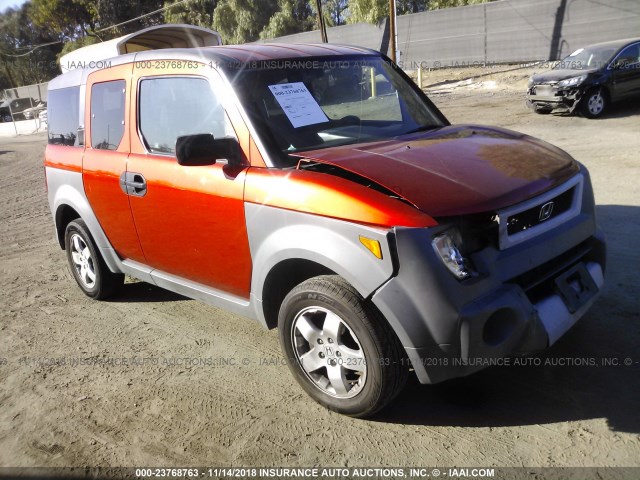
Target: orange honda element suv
x=316, y=189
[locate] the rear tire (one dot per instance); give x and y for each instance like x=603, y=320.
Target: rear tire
x=86, y=264
x=339, y=350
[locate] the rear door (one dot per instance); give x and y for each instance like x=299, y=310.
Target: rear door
x=190, y=220
x=106, y=154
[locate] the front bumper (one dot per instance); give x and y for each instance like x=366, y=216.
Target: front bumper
x=518, y=304
x=552, y=97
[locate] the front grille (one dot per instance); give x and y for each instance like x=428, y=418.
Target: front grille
x=540, y=213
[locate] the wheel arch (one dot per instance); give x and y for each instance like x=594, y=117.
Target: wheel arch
x=65, y=214
x=291, y=247
x=603, y=87
x=69, y=202
x=281, y=279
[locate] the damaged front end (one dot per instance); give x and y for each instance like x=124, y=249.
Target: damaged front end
x=563, y=95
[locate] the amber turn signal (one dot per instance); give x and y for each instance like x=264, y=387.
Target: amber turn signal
x=372, y=245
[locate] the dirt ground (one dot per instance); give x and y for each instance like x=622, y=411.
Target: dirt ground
x=65, y=399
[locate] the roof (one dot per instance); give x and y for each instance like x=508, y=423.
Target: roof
x=278, y=51
x=255, y=52
x=614, y=43
x=218, y=55
x=152, y=38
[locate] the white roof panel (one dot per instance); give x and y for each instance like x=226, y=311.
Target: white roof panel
x=152, y=38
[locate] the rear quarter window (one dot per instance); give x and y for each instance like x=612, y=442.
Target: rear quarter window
x=107, y=114
x=63, y=116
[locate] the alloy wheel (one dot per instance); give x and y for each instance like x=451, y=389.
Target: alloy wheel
x=329, y=352
x=83, y=261
x=595, y=104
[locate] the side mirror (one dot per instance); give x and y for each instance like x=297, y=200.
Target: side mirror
x=202, y=149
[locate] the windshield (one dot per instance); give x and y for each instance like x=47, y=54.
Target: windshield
x=313, y=103
x=587, y=58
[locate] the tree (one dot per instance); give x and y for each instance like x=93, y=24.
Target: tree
x=193, y=12
x=64, y=19
x=113, y=12
x=411, y=6
x=21, y=63
x=241, y=21
x=335, y=12
x=293, y=16
x=368, y=11
x=72, y=19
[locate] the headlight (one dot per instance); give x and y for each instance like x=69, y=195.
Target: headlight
x=445, y=247
x=572, y=82
x=530, y=82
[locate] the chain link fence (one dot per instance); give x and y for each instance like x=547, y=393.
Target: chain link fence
x=23, y=110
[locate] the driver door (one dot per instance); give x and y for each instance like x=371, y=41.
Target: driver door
x=190, y=219
x=626, y=72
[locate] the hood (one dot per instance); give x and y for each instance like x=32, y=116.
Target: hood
x=554, y=76
x=456, y=170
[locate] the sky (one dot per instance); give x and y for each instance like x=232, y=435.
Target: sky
x=4, y=4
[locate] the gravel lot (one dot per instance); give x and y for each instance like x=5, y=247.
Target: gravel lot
x=246, y=409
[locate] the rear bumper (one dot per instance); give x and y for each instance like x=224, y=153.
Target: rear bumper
x=515, y=306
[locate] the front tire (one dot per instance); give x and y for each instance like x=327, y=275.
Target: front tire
x=338, y=348
x=595, y=103
x=87, y=266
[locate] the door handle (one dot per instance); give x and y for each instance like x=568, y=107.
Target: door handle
x=139, y=184
x=133, y=183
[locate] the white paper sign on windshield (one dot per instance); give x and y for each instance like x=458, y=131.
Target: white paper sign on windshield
x=298, y=104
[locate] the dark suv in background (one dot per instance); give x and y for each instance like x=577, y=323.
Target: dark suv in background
x=589, y=79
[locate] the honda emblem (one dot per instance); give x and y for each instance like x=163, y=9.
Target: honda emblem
x=545, y=211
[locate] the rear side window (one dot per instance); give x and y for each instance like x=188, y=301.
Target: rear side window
x=107, y=114
x=63, y=116
x=171, y=107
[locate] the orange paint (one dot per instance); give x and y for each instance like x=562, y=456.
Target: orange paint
x=101, y=175
x=63, y=157
x=330, y=196
x=191, y=221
